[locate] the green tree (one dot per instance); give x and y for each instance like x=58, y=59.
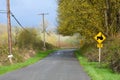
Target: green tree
x=88, y=17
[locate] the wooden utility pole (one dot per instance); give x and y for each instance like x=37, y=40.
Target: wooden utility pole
x=44, y=30
x=9, y=32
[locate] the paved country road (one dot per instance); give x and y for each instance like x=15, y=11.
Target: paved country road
x=61, y=65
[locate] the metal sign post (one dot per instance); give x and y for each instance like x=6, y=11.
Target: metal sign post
x=100, y=50
x=100, y=38
x=99, y=55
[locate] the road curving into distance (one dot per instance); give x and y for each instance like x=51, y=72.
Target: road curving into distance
x=61, y=65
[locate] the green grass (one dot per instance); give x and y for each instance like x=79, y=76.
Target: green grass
x=39, y=56
x=95, y=71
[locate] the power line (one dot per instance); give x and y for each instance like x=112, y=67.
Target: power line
x=3, y=11
x=18, y=22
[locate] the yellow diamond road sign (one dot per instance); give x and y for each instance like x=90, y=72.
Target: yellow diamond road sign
x=100, y=37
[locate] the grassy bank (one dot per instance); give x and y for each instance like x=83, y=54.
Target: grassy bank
x=37, y=57
x=96, y=72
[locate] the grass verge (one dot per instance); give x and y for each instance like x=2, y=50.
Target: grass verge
x=40, y=55
x=96, y=72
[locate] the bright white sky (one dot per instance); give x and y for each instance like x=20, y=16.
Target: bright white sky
x=26, y=12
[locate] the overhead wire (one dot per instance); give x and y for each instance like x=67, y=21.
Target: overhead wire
x=18, y=22
x=4, y=11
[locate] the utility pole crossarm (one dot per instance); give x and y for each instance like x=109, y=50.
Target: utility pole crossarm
x=43, y=14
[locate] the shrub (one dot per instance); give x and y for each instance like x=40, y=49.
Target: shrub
x=92, y=55
x=115, y=61
x=49, y=46
x=114, y=55
x=3, y=54
x=29, y=39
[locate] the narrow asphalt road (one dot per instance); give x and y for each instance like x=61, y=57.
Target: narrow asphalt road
x=61, y=65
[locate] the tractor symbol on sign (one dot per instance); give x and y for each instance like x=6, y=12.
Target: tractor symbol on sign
x=100, y=37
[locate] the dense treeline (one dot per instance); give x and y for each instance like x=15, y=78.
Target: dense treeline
x=88, y=17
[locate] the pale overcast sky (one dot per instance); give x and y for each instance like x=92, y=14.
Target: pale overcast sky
x=26, y=11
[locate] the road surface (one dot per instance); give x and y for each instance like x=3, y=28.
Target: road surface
x=61, y=65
